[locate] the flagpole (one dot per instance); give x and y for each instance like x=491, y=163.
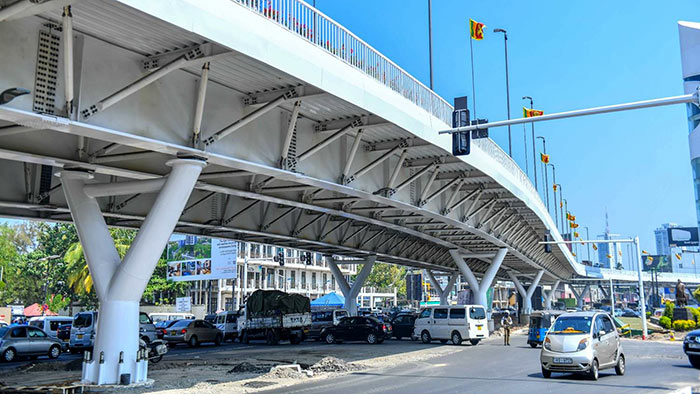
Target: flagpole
x=471, y=55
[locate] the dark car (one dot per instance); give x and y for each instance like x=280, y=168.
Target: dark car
x=211, y=318
x=402, y=326
x=63, y=332
x=356, y=328
x=691, y=347
x=161, y=327
x=627, y=312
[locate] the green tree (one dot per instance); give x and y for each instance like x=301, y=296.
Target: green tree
x=387, y=275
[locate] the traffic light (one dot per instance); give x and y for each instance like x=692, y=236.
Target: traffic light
x=279, y=257
x=460, y=118
x=305, y=257
x=547, y=238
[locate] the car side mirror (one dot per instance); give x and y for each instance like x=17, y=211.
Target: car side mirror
x=600, y=334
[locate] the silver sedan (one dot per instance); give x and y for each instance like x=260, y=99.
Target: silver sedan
x=27, y=341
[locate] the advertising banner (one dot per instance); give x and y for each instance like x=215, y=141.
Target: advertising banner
x=682, y=236
x=200, y=258
x=660, y=263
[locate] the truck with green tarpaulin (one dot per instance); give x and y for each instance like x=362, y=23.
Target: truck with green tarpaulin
x=275, y=316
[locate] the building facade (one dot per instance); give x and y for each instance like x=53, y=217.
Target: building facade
x=661, y=236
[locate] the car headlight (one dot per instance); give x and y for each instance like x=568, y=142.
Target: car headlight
x=547, y=344
x=582, y=344
x=689, y=339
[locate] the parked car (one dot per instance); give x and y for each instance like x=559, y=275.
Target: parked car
x=402, y=326
x=211, y=318
x=63, y=334
x=321, y=319
x=456, y=322
x=27, y=341
x=584, y=342
x=162, y=326
x=82, y=332
x=147, y=330
x=356, y=328
x=49, y=323
x=627, y=312
x=193, y=333
x=691, y=348
x=227, y=322
x=158, y=317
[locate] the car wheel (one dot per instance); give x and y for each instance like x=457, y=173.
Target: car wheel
x=425, y=337
x=193, y=341
x=620, y=367
x=329, y=339
x=546, y=373
x=694, y=361
x=456, y=338
x=533, y=345
x=474, y=342
x=372, y=338
x=217, y=340
x=54, y=351
x=593, y=372
x=9, y=355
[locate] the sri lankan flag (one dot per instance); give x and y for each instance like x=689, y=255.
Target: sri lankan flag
x=644, y=252
x=544, y=158
x=554, y=186
x=530, y=113
x=576, y=235
x=678, y=256
x=573, y=225
x=476, y=30
x=561, y=204
x=608, y=256
x=595, y=247
x=570, y=217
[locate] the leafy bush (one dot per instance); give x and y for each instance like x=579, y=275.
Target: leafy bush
x=665, y=322
x=696, y=313
x=683, y=325
x=668, y=311
x=648, y=314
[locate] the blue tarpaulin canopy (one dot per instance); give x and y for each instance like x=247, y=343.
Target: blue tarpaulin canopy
x=330, y=299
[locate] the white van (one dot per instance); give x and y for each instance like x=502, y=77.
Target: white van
x=452, y=322
x=158, y=317
x=50, y=323
x=227, y=321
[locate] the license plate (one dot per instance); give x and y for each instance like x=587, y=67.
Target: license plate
x=562, y=360
x=80, y=336
x=478, y=328
x=172, y=332
x=694, y=345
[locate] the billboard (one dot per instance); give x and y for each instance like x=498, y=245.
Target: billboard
x=682, y=236
x=660, y=263
x=200, y=258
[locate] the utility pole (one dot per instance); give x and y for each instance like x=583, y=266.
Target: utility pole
x=546, y=181
x=534, y=159
x=505, y=43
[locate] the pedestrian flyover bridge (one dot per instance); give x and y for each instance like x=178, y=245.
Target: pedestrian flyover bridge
x=262, y=121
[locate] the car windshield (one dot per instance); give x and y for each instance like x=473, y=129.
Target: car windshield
x=82, y=320
x=572, y=325
x=181, y=323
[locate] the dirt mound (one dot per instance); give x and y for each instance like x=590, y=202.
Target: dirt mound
x=246, y=367
x=284, y=373
x=332, y=364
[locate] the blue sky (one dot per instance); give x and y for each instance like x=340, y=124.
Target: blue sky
x=566, y=55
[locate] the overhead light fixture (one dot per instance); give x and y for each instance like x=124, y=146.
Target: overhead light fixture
x=11, y=94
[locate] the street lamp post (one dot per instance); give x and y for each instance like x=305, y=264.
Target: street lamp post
x=430, y=42
x=588, y=246
x=534, y=159
x=505, y=43
x=561, y=210
x=554, y=183
x=546, y=185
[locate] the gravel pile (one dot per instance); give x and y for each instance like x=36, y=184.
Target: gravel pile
x=246, y=367
x=284, y=373
x=332, y=364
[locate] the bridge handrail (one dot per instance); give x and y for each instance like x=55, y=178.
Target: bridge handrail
x=309, y=23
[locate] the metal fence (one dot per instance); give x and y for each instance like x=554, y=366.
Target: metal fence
x=301, y=18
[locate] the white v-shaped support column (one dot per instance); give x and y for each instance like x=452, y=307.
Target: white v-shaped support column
x=526, y=308
x=351, y=293
x=580, y=296
x=444, y=293
x=119, y=284
x=479, y=289
x=548, y=296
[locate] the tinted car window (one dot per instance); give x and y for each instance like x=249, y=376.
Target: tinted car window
x=82, y=320
x=345, y=321
x=477, y=313
x=399, y=320
x=36, y=333
x=440, y=314
x=231, y=318
x=458, y=313
x=144, y=319
x=36, y=323
x=607, y=325
x=425, y=313
x=322, y=316
x=206, y=324
x=18, y=332
x=54, y=324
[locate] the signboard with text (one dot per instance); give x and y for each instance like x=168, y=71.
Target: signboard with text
x=200, y=258
x=682, y=236
x=183, y=304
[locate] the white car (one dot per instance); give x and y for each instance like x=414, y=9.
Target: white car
x=452, y=322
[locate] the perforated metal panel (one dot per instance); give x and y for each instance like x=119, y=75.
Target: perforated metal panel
x=46, y=71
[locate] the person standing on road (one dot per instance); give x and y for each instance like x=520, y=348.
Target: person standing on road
x=506, y=323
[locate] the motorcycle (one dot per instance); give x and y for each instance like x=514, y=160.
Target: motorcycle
x=155, y=349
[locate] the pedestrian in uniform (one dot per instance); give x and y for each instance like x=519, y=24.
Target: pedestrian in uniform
x=506, y=323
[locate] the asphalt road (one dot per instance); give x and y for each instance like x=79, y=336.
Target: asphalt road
x=490, y=367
